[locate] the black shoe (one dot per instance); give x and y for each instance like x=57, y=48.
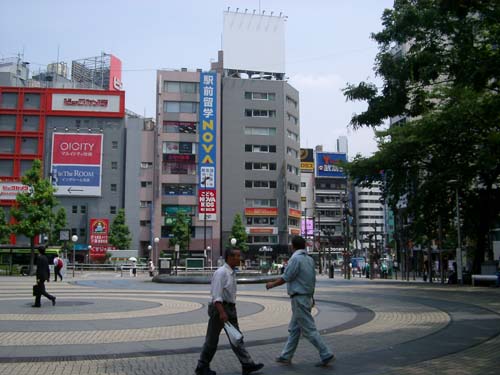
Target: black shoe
x=248, y=369
x=36, y=305
x=283, y=361
x=204, y=371
x=53, y=301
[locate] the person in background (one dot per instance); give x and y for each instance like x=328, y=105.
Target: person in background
x=134, y=268
x=300, y=277
x=222, y=309
x=151, y=267
x=58, y=265
x=42, y=275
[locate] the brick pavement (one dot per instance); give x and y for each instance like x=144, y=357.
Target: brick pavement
x=413, y=329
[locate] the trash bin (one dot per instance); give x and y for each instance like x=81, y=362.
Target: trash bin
x=165, y=266
x=331, y=271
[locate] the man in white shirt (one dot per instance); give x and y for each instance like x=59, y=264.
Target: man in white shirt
x=223, y=309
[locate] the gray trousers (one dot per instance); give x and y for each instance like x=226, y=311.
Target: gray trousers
x=215, y=325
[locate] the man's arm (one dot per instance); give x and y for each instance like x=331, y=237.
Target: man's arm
x=222, y=313
x=275, y=283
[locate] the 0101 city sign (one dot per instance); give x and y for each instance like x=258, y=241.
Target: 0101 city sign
x=76, y=164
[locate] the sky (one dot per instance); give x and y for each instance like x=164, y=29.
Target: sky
x=328, y=45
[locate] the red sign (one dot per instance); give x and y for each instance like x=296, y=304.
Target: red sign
x=86, y=102
x=207, y=201
x=261, y=230
x=99, y=229
x=261, y=211
x=294, y=213
x=115, y=74
x=77, y=149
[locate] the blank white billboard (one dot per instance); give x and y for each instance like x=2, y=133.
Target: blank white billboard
x=254, y=42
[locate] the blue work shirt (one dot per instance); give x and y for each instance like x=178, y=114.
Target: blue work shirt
x=300, y=274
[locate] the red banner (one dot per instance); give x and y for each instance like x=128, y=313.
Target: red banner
x=99, y=230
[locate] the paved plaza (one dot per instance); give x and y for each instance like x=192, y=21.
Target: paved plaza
x=107, y=324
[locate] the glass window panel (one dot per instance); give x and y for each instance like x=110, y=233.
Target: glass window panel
x=32, y=101
x=8, y=100
x=172, y=107
x=26, y=165
x=7, y=122
x=7, y=145
x=29, y=145
x=31, y=123
x=172, y=86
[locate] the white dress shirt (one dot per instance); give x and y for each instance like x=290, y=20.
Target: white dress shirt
x=223, y=287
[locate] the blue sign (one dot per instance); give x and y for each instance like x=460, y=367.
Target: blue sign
x=328, y=164
x=208, y=130
x=76, y=175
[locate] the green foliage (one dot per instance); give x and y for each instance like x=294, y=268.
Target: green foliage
x=5, y=229
x=238, y=232
x=445, y=82
x=33, y=212
x=180, y=231
x=59, y=224
x=119, y=233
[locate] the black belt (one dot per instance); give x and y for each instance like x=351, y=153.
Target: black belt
x=299, y=294
x=228, y=303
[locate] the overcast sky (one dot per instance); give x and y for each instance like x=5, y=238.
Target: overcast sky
x=327, y=45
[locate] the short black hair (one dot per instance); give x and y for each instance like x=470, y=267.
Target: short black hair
x=41, y=249
x=298, y=242
x=229, y=252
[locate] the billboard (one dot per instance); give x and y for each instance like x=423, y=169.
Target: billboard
x=254, y=42
x=9, y=190
x=307, y=227
x=306, y=160
x=76, y=164
x=207, y=188
x=115, y=74
x=99, y=231
x=85, y=102
x=327, y=164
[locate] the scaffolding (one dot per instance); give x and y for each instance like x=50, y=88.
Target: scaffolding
x=92, y=72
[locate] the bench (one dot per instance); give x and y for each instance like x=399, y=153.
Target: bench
x=483, y=278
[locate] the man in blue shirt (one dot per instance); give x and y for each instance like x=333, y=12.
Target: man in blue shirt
x=300, y=277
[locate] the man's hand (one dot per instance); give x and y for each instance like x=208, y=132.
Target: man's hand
x=223, y=316
x=269, y=285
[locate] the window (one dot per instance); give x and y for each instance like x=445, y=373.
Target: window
x=31, y=123
x=83, y=233
x=182, y=87
x=145, y=184
x=179, y=127
x=292, y=152
x=293, y=187
x=112, y=210
x=292, y=169
x=260, y=95
x=303, y=184
x=74, y=209
x=83, y=209
x=146, y=165
x=74, y=231
x=291, y=101
x=253, y=220
x=178, y=189
x=145, y=223
x=260, y=148
x=292, y=135
x=113, y=187
x=262, y=239
x=260, y=166
x=260, y=131
x=294, y=120
x=180, y=107
x=114, y=145
x=179, y=148
x=145, y=204
x=293, y=204
x=260, y=113
x=172, y=167
x=9, y=100
x=7, y=145
x=260, y=184
x=261, y=203
x=293, y=221
x=29, y=145
x=7, y=122
x=114, y=165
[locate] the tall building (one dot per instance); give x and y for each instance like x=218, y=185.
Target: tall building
x=187, y=175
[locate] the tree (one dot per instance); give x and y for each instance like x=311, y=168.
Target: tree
x=59, y=224
x=33, y=209
x=442, y=82
x=119, y=233
x=5, y=229
x=180, y=231
x=238, y=231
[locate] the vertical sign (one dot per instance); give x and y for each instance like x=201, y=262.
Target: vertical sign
x=99, y=230
x=207, y=188
x=77, y=164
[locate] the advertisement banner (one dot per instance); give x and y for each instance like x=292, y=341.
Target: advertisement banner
x=76, y=164
x=294, y=213
x=306, y=160
x=85, y=103
x=327, y=164
x=307, y=227
x=261, y=211
x=9, y=190
x=207, y=145
x=99, y=231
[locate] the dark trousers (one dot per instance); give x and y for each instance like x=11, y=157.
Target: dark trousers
x=57, y=272
x=215, y=325
x=42, y=291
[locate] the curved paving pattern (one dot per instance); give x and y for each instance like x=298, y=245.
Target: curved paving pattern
x=135, y=327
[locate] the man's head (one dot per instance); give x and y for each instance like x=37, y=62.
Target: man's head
x=298, y=242
x=41, y=249
x=232, y=257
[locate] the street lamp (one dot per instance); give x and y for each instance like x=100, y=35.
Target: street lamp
x=150, y=255
x=74, y=239
x=209, y=259
x=88, y=255
x=233, y=242
x=156, y=240
x=204, y=184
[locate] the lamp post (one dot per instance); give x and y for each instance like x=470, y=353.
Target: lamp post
x=204, y=184
x=233, y=242
x=74, y=239
x=89, y=248
x=156, y=240
x=209, y=259
x=149, y=252
x=459, y=239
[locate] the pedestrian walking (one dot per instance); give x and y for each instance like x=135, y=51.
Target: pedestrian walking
x=134, y=268
x=300, y=277
x=222, y=309
x=151, y=267
x=42, y=275
x=58, y=265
